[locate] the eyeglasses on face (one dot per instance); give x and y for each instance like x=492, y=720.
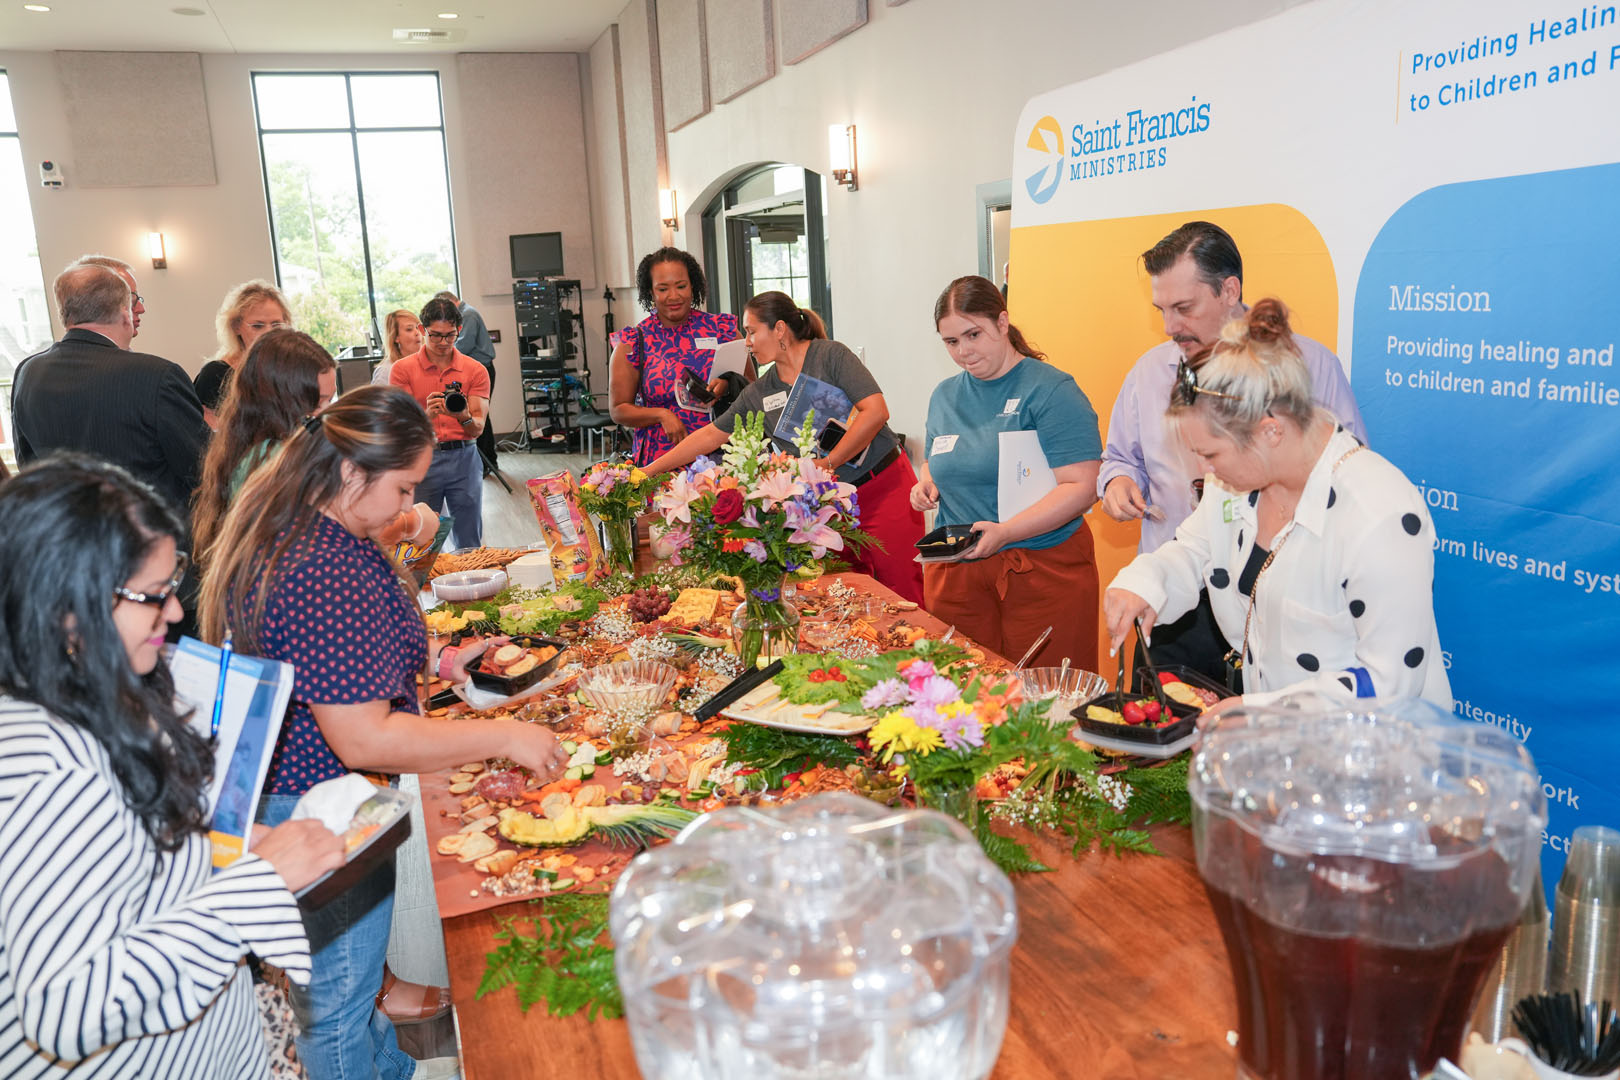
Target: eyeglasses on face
x=442, y=339
x=266, y=327
x=1186, y=389
x=157, y=599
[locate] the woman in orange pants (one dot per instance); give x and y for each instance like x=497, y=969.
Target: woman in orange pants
x=1033, y=567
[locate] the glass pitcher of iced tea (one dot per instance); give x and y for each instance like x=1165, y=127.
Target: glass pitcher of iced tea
x=1365, y=865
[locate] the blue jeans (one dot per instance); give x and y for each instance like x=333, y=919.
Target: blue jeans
x=456, y=476
x=341, y=1034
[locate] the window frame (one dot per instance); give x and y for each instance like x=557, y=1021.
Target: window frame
x=354, y=131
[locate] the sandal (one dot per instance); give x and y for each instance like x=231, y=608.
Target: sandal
x=410, y=1003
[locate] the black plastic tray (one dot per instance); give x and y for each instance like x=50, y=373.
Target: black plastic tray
x=501, y=684
x=378, y=848
x=1145, y=680
x=958, y=538
x=1186, y=716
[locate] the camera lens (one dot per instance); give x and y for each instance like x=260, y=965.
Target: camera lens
x=454, y=400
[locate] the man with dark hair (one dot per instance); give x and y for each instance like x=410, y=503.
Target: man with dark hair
x=1147, y=475
x=89, y=392
x=454, y=389
x=476, y=343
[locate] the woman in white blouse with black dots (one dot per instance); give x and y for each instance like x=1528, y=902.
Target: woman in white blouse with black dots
x=121, y=949
x=1317, y=553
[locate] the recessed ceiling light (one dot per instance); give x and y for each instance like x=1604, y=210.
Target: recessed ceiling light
x=188, y=11
x=36, y=7
x=449, y=15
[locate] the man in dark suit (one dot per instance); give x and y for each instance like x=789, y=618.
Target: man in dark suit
x=88, y=392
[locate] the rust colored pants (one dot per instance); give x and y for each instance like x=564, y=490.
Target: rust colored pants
x=1005, y=601
x=887, y=515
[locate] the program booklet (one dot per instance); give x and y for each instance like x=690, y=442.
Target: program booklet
x=255, y=701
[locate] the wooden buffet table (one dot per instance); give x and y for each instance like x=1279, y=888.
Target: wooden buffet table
x=1118, y=974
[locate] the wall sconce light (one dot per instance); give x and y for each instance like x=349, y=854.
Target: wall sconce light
x=841, y=153
x=666, y=208
x=155, y=248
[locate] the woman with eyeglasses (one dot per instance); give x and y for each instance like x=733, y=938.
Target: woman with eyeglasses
x=1032, y=566
x=120, y=945
x=1317, y=553
x=296, y=575
x=251, y=310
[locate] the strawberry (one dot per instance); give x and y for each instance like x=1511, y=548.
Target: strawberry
x=1152, y=710
x=1165, y=678
x=1133, y=713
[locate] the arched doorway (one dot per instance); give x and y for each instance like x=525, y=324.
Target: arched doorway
x=764, y=230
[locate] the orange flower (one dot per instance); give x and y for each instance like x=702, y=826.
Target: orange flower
x=732, y=545
x=728, y=482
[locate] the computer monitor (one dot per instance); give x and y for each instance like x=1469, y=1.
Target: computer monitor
x=537, y=255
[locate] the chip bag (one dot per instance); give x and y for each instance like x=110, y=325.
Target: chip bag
x=575, y=553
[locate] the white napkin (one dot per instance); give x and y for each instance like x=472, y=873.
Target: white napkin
x=334, y=802
x=481, y=699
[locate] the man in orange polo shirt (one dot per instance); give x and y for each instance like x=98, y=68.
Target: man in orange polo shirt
x=439, y=377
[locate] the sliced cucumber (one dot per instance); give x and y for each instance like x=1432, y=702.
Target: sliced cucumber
x=562, y=883
x=569, y=745
x=573, y=774
x=587, y=771
x=604, y=758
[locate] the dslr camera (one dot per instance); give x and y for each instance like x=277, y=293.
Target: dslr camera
x=454, y=400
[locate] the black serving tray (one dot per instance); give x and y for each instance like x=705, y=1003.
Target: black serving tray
x=946, y=541
x=736, y=688
x=1186, y=716
x=501, y=684
x=1145, y=680
x=378, y=848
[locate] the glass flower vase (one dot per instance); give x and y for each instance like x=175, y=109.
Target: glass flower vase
x=960, y=801
x=765, y=626
x=618, y=536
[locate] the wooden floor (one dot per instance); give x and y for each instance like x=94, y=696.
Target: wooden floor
x=508, y=518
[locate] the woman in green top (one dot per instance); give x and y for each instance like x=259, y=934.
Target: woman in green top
x=285, y=377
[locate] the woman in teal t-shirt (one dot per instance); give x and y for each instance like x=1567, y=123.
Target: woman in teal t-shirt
x=1032, y=565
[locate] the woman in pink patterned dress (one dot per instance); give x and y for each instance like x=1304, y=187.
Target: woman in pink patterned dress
x=651, y=357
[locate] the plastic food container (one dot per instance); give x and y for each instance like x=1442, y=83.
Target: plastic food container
x=629, y=684
x=1067, y=688
x=832, y=938
x=468, y=585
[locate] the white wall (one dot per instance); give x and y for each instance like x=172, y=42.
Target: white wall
x=219, y=235
x=934, y=88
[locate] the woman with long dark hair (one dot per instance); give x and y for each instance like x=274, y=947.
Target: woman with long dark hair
x=651, y=358
x=1031, y=566
x=793, y=343
x=286, y=377
x=120, y=946
x=297, y=576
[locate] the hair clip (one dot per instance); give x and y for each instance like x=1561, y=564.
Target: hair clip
x=312, y=423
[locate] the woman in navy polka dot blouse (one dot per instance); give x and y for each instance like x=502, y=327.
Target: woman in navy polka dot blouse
x=297, y=576
x=1317, y=553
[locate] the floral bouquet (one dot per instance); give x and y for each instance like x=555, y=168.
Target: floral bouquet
x=616, y=492
x=759, y=515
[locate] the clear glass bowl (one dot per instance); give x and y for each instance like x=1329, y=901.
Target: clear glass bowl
x=627, y=685
x=1067, y=688
x=468, y=585
x=832, y=939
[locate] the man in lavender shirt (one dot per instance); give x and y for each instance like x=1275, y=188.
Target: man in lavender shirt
x=1147, y=475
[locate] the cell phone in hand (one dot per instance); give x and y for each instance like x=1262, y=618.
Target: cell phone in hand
x=830, y=436
x=697, y=388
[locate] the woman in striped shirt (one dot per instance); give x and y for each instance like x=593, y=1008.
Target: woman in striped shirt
x=121, y=951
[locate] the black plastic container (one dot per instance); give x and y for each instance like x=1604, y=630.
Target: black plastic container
x=509, y=685
x=946, y=541
x=1185, y=718
x=1145, y=680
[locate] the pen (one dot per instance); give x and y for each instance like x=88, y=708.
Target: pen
x=219, y=692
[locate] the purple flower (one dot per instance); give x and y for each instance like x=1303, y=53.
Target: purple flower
x=934, y=691
x=961, y=729
x=886, y=694
x=766, y=596
x=755, y=550
x=750, y=520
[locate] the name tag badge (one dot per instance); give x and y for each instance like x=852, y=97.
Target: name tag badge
x=1226, y=510
x=943, y=444
x=707, y=343
x=1011, y=406
x=775, y=402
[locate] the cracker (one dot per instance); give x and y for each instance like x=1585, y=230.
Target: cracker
x=476, y=846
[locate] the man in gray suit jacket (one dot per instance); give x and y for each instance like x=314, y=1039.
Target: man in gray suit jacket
x=89, y=393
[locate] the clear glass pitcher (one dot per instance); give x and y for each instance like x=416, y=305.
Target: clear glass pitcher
x=831, y=938
x=1365, y=868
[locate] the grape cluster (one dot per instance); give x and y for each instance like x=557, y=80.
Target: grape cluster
x=645, y=605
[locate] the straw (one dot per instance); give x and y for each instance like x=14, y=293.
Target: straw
x=1569, y=1036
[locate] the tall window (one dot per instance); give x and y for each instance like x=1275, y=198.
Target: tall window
x=25, y=318
x=359, y=191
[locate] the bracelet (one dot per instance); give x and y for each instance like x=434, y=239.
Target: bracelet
x=446, y=653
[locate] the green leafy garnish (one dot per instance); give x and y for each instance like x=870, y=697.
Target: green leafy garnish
x=562, y=960
x=774, y=754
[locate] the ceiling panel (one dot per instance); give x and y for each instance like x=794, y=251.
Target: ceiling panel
x=306, y=26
